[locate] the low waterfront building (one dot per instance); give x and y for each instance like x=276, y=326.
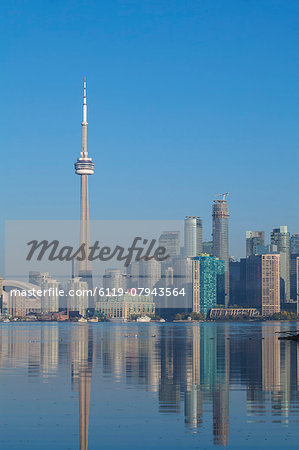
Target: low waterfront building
x=126, y=306
x=20, y=306
x=20, y=298
x=222, y=313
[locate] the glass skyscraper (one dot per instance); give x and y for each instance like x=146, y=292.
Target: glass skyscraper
x=220, y=238
x=207, y=247
x=253, y=240
x=294, y=244
x=207, y=283
x=192, y=236
x=171, y=241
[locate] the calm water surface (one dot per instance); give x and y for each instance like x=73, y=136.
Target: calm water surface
x=134, y=386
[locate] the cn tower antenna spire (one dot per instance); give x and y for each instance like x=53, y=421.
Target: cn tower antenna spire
x=84, y=153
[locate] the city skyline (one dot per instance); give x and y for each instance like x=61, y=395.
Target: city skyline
x=172, y=113
x=210, y=278
x=155, y=304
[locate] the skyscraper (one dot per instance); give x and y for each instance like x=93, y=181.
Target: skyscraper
x=50, y=296
x=192, y=236
x=263, y=282
x=281, y=238
x=171, y=241
x=207, y=282
x=50, y=287
x=294, y=286
x=84, y=167
x=149, y=273
x=253, y=239
x=220, y=237
x=294, y=244
x=77, y=291
x=1, y=293
x=207, y=247
x=114, y=279
x=237, y=282
x=133, y=275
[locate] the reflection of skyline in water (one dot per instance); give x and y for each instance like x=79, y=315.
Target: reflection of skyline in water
x=189, y=369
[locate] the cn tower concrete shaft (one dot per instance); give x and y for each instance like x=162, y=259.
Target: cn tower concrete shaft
x=84, y=167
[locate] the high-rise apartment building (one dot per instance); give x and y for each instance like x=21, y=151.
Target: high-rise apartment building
x=294, y=286
x=133, y=274
x=77, y=291
x=182, y=279
x=168, y=276
x=220, y=238
x=207, y=247
x=149, y=273
x=36, y=277
x=170, y=240
x=263, y=249
x=114, y=279
x=50, y=294
x=207, y=283
x=263, y=283
x=192, y=236
x=281, y=238
x=1, y=293
x=253, y=240
x=237, y=282
x=294, y=244
x=50, y=288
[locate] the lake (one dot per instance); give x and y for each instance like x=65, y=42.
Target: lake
x=134, y=386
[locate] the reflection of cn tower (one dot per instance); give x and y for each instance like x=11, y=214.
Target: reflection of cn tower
x=84, y=167
x=82, y=353
x=221, y=395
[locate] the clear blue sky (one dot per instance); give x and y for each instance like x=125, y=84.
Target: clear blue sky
x=186, y=99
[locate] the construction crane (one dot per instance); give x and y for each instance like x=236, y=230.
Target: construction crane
x=223, y=196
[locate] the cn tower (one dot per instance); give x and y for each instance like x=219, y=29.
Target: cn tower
x=84, y=167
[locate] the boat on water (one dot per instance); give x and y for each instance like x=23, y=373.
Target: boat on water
x=118, y=319
x=143, y=319
x=93, y=319
x=294, y=337
x=82, y=319
x=288, y=335
x=162, y=320
x=5, y=320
